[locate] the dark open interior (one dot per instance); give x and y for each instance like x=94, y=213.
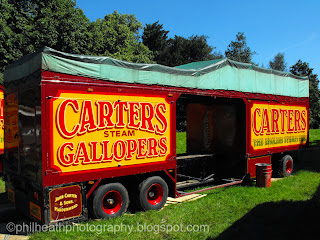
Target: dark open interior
x=23, y=129
x=215, y=137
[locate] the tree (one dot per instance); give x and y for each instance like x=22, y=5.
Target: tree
x=156, y=39
x=62, y=25
x=27, y=25
x=182, y=50
x=278, y=63
x=302, y=69
x=238, y=50
x=197, y=49
x=118, y=36
x=186, y=50
x=178, y=50
x=15, y=28
x=174, y=54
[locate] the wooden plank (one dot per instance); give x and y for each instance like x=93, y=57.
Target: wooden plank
x=13, y=237
x=187, y=182
x=275, y=179
x=182, y=199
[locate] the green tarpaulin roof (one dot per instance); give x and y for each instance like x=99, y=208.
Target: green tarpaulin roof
x=220, y=74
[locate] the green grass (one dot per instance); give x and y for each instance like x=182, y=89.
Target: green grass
x=219, y=210
x=181, y=142
x=314, y=137
x=2, y=186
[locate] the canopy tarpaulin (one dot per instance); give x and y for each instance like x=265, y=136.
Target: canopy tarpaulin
x=220, y=74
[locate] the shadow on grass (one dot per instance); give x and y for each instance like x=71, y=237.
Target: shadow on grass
x=278, y=220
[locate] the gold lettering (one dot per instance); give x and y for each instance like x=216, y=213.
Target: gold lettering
x=65, y=209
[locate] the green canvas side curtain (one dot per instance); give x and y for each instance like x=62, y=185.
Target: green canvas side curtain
x=221, y=74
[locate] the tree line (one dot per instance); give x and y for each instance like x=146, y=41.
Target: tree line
x=28, y=25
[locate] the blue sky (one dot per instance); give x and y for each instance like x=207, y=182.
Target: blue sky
x=292, y=27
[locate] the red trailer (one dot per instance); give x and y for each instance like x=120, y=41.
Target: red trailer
x=91, y=134
x=1, y=128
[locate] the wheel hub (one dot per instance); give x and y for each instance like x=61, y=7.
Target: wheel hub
x=110, y=201
x=288, y=166
x=155, y=194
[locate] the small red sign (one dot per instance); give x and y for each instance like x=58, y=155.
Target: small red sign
x=65, y=202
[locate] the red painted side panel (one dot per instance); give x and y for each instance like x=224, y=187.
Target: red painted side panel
x=1, y=122
x=54, y=92
x=52, y=83
x=251, y=164
x=275, y=127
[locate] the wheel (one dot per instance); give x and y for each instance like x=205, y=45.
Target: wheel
x=286, y=166
x=153, y=193
x=110, y=200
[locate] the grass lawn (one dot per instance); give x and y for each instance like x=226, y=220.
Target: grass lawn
x=217, y=212
x=2, y=186
x=314, y=137
x=181, y=142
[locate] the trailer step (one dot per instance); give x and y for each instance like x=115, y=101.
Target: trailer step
x=192, y=183
x=194, y=156
x=214, y=187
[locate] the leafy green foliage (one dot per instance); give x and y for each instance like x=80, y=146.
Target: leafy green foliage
x=178, y=50
x=14, y=31
x=186, y=50
x=278, y=63
x=27, y=25
x=61, y=25
x=156, y=39
x=314, y=137
x=117, y=36
x=302, y=69
x=238, y=50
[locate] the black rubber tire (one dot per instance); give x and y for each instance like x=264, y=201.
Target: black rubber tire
x=286, y=166
x=156, y=183
x=113, y=189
